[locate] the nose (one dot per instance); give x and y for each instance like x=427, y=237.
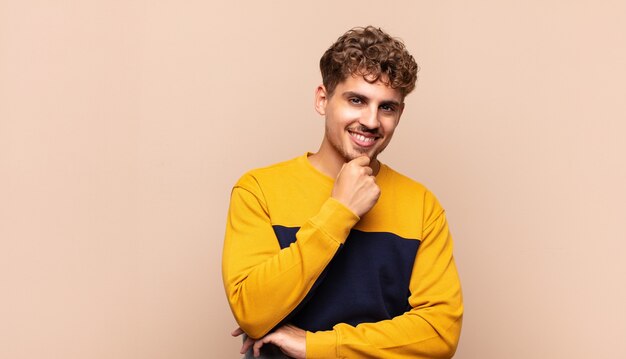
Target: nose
x=369, y=119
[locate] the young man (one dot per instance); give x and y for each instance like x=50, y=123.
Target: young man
x=334, y=254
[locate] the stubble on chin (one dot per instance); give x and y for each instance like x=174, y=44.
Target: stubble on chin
x=353, y=153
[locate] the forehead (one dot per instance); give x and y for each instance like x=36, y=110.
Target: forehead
x=374, y=90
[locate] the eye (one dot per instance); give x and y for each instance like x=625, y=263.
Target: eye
x=355, y=100
x=387, y=108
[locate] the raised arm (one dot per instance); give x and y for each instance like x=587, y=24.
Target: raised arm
x=264, y=283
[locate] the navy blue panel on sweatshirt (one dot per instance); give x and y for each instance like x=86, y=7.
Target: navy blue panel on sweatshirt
x=367, y=281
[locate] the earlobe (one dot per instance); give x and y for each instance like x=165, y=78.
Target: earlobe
x=320, y=100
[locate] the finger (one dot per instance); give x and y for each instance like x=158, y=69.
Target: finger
x=362, y=161
x=341, y=170
x=259, y=343
x=237, y=332
x=256, y=349
x=246, y=345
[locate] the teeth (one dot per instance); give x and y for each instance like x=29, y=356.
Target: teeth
x=363, y=138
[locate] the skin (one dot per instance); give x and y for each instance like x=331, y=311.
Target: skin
x=355, y=107
x=361, y=118
x=290, y=339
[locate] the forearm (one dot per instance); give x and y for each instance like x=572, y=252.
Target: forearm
x=431, y=329
x=431, y=333
x=258, y=275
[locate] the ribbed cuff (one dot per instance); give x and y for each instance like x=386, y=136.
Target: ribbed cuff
x=335, y=219
x=321, y=345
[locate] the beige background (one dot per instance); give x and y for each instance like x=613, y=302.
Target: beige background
x=123, y=125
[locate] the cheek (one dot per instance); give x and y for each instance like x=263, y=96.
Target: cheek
x=389, y=126
x=346, y=115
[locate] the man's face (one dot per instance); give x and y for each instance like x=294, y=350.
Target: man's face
x=360, y=117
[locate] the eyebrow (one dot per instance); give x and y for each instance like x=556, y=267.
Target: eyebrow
x=349, y=94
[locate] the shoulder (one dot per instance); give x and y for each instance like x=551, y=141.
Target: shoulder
x=409, y=188
x=404, y=183
x=253, y=178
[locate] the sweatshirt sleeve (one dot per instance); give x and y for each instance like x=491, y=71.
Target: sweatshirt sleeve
x=430, y=329
x=264, y=283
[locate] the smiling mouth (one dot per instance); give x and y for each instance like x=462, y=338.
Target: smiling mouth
x=363, y=140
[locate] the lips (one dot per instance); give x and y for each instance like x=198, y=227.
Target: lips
x=363, y=139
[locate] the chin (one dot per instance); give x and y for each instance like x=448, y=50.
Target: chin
x=372, y=154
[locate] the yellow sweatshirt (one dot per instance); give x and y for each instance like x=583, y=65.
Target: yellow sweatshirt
x=381, y=286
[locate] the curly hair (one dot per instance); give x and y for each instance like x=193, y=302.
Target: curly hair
x=373, y=54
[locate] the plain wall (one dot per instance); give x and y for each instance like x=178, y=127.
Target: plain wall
x=124, y=124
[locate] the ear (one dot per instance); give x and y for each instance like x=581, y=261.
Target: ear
x=321, y=99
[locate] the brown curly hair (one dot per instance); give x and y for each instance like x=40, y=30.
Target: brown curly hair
x=373, y=54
